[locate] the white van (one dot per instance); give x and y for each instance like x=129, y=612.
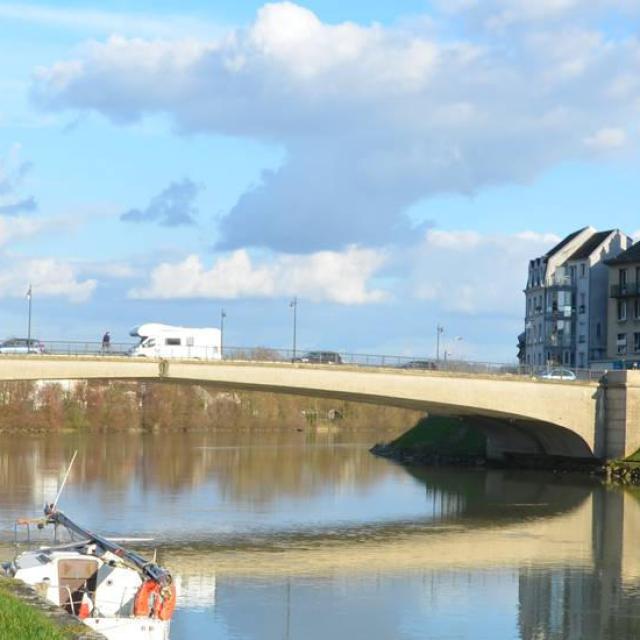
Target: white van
x=165, y=341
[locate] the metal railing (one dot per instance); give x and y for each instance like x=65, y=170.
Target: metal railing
x=306, y=358
x=624, y=290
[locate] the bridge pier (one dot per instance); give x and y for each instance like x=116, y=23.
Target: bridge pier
x=621, y=436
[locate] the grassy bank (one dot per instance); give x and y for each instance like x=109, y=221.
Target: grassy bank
x=434, y=440
x=442, y=435
x=625, y=471
x=21, y=621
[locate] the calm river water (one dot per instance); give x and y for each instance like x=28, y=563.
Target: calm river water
x=304, y=536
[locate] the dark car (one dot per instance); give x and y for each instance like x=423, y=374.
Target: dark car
x=21, y=345
x=419, y=364
x=320, y=357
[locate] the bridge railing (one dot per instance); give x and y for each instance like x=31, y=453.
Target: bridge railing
x=337, y=358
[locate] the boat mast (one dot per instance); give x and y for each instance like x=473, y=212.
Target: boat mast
x=150, y=569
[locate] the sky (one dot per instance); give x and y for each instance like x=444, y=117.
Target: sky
x=393, y=165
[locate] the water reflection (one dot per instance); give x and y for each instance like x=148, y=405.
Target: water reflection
x=302, y=535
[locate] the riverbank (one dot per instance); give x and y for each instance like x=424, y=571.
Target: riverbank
x=78, y=405
x=26, y=616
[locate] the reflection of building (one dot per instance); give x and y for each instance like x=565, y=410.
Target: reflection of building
x=196, y=591
x=566, y=293
x=588, y=602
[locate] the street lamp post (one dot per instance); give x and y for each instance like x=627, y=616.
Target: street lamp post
x=439, y=332
x=294, y=305
x=448, y=353
x=29, y=295
x=223, y=315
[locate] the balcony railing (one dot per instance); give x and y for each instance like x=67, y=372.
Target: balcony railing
x=560, y=281
x=625, y=290
x=559, y=342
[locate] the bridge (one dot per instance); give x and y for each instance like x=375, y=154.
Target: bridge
x=518, y=414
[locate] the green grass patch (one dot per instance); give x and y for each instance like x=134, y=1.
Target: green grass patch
x=443, y=435
x=634, y=457
x=20, y=621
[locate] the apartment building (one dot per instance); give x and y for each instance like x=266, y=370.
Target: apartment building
x=623, y=335
x=566, y=300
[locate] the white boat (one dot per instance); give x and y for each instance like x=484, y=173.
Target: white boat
x=109, y=588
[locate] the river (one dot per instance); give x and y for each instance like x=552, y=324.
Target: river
x=305, y=535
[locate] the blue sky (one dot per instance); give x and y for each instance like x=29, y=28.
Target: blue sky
x=393, y=168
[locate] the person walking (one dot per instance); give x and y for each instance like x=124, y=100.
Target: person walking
x=106, y=341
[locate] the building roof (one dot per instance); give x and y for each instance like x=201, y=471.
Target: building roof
x=590, y=245
x=563, y=243
x=632, y=254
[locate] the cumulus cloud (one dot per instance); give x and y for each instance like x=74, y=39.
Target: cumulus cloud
x=172, y=207
x=322, y=276
x=48, y=277
x=373, y=119
x=470, y=272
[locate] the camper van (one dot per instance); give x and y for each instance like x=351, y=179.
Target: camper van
x=165, y=341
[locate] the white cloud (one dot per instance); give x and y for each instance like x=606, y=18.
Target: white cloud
x=470, y=272
x=322, y=276
x=607, y=139
x=373, y=118
x=48, y=277
x=501, y=14
x=21, y=227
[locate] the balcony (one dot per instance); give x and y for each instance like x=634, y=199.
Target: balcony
x=558, y=342
x=628, y=290
x=560, y=282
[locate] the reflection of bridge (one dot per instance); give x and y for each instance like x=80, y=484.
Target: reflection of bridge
x=517, y=414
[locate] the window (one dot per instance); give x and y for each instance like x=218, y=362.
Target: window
x=621, y=343
x=622, y=277
x=636, y=341
x=622, y=310
x=189, y=341
x=172, y=342
x=636, y=308
x=598, y=330
x=583, y=270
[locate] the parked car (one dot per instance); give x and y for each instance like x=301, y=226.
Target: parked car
x=419, y=364
x=558, y=374
x=320, y=357
x=21, y=345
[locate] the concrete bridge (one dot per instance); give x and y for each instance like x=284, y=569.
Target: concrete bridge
x=518, y=414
